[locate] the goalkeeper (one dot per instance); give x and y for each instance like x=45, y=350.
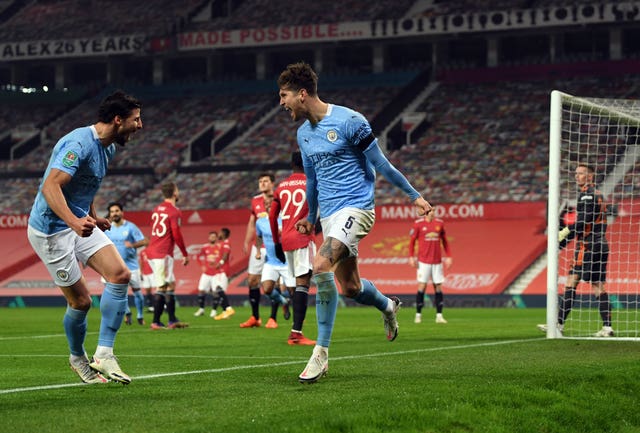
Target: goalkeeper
x=591, y=250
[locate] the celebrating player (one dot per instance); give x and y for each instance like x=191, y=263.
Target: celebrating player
x=340, y=156
x=62, y=230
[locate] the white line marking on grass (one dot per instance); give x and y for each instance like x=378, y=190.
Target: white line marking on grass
x=277, y=364
x=23, y=337
x=52, y=355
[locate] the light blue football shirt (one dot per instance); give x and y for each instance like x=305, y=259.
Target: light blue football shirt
x=80, y=154
x=127, y=231
x=263, y=230
x=340, y=158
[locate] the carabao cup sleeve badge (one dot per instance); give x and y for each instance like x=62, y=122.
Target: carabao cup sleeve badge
x=69, y=158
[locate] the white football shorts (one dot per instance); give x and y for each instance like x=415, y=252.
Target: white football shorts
x=255, y=265
x=210, y=283
x=61, y=251
x=146, y=281
x=349, y=226
x=162, y=271
x=273, y=273
x=300, y=261
x=428, y=271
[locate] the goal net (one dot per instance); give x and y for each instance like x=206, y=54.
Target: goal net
x=603, y=135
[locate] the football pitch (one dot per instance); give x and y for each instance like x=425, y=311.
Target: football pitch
x=487, y=370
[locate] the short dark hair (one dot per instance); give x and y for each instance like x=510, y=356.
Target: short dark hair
x=269, y=175
x=589, y=167
x=115, y=203
x=117, y=104
x=226, y=232
x=296, y=159
x=299, y=76
x=168, y=189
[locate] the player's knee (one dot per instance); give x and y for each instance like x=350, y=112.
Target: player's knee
x=82, y=303
x=351, y=289
x=119, y=276
x=253, y=280
x=321, y=265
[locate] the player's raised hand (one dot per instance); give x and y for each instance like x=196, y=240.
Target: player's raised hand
x=422, y=205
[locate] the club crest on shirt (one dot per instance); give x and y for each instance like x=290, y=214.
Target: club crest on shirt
x=332, y=135
x=69, y=158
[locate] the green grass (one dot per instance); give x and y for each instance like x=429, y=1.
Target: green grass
x=488, y=370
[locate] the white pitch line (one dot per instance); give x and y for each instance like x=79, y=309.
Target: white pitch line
x=277, y=364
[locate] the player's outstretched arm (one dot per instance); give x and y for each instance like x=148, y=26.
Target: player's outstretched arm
x=392, y=174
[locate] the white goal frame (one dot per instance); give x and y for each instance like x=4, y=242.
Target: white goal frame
x=554, y=198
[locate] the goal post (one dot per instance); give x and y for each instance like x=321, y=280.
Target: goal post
x=603, y=133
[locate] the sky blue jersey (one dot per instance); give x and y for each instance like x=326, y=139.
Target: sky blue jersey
x=341, y=156
x=263, y=230
x=80, y=154
x=127, y=231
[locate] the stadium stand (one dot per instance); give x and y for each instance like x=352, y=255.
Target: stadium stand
x=488, y=141
x=269, y=14
x=50, y=19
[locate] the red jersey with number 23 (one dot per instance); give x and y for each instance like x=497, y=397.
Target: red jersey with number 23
x=165, y=232
x=290, y=202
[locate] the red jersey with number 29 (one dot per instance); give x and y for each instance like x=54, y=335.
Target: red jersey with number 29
x=290, y=202
x=165, y=232
x=432, y=238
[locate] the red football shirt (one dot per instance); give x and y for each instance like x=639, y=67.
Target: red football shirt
x=291, y=198
x=258, y=209
x=165, y=231
x=209, y=258
x=225, y=247
x=431, y=238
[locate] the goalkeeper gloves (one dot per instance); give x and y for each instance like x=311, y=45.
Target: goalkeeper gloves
x=562, y=234
x=280, y=253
